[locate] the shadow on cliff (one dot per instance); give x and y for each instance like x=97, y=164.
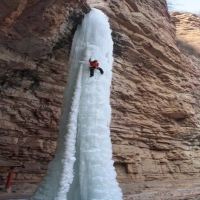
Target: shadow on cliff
x=187, y=48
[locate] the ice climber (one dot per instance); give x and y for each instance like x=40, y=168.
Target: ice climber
x=94, y=65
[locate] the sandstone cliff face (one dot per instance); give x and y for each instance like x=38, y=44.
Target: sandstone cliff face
x=187, y=29
x=154, y=96
x=35, y=39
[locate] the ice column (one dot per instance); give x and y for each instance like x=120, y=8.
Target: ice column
x=86, y=122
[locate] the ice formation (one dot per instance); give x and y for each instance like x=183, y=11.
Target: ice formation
x=83, y=167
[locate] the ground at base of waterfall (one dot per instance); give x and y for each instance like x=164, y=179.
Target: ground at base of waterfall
x=12, y=196
x=20, y=191
x=168, y=194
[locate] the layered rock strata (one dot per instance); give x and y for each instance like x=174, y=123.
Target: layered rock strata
x=154, y=96
x=35, y=40
x=155, y=109
x=187, y=28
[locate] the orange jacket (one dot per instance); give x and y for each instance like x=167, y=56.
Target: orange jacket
x=93, y=63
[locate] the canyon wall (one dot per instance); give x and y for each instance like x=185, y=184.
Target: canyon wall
x=154, y=95
x=35, y=41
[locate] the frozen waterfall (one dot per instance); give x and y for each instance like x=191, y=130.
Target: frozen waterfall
x=83, y=168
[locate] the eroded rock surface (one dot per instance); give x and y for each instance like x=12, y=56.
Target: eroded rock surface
x=154, y=96
x=187, y=30
x=35, y=40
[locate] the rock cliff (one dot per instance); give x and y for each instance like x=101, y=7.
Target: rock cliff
x=187, y=32
x=35, y=40
x=154, y=96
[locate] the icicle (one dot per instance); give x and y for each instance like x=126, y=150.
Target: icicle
x=69, y=159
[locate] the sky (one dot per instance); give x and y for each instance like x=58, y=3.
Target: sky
x=186, y=5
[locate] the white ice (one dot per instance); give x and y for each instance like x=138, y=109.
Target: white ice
x=83, y=167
